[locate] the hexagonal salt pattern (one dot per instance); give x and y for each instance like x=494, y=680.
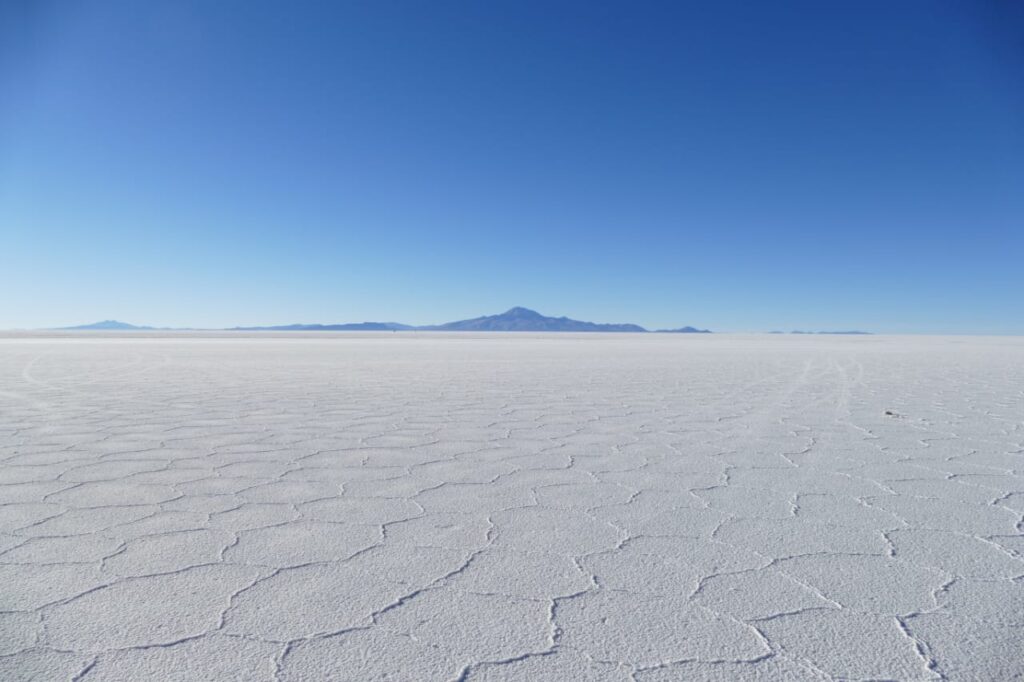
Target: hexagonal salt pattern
x=510, y=507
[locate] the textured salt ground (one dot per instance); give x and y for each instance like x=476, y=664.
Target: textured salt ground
x=510, y=507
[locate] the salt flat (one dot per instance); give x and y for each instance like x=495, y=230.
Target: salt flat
x=510, y=507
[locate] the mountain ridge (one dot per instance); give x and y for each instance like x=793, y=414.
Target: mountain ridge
x=107, y=325
x=684, y=330
x=516, y=319
x=523, y=319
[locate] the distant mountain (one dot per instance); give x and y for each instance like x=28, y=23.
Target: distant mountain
x=684, y=330
x=512, y=320
x=350, y=327
x=106, y=325
x=526, y=320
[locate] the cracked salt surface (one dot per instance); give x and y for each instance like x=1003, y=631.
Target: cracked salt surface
x=510, y=507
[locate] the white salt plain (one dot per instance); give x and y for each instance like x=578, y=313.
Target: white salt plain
x=510, y=507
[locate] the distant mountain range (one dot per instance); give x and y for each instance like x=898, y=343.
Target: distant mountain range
x=513, y=320
x=684, y=330
x=107, y=325
x=526, y=320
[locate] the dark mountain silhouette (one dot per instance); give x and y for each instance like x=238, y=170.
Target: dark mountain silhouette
x=684, y=330
x=512, y=320
x=107, y=325
x=526, y=320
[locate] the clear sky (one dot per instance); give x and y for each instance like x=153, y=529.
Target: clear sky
x=738, y=166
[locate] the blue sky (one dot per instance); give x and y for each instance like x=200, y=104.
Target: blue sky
x=739, y=166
